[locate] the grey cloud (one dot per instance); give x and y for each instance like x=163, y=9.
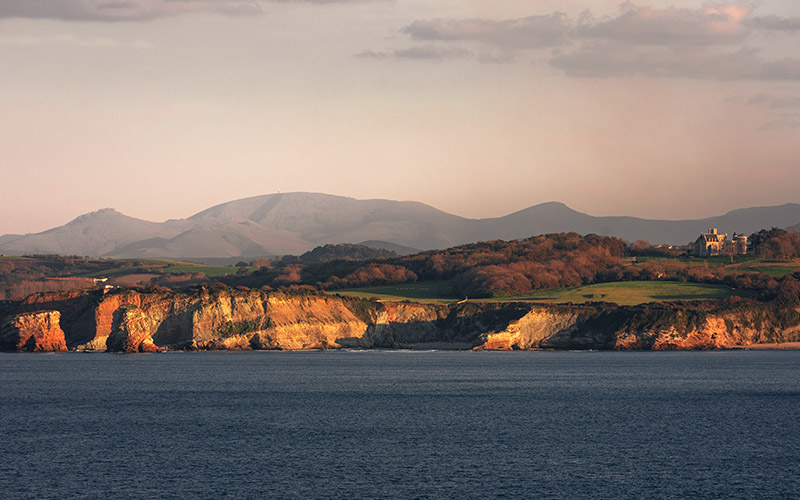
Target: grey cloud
x=134, y=10
x=371, y=54
x=325, y=2
x=69, y=39
x=503, y=57
x=783, y=69
x=712, y=24
x=421, y=52
x=433, y=52
x=785, y=122
x=613, y=59
x=523, y=33
x=676, y=43
x=139, y=10
x=775, y=101
x=775, y=23
x=668, y=42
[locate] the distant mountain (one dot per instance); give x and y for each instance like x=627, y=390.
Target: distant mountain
x=94, y=234
x=321, y=218
x=293, y=223
x=557, y=217
x=6, y=238
x=229, y=239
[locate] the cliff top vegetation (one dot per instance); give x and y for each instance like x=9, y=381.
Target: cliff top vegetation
x=518, y=269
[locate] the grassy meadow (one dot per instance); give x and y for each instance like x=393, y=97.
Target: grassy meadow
x=150, y=266
x=627, y=293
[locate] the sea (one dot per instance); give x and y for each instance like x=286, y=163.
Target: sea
x=382, y=424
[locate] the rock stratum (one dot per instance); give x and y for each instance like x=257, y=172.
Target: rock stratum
x=209, y=318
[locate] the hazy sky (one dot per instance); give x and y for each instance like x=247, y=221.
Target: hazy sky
x=161, y=108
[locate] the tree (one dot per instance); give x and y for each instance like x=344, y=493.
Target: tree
x=777, y=244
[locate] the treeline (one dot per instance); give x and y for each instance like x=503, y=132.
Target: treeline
x=22, y=276
x=775, y=244
x=478, y=269
x=491, y=268
x=503, y=268
x=345, y=251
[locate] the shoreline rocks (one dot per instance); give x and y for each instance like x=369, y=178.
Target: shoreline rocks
x=38, y=331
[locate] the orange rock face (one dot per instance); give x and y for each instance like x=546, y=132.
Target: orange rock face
x=33, y=332
x=219, y=318
x=131, y=332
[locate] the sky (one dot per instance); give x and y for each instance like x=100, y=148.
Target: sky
x=664, y=109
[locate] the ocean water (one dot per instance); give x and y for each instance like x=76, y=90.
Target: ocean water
x=399, y=424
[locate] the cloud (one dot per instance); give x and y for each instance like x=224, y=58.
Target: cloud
x=139, y=10
x=433, y=52
x=710, y=25
x=325, y=2
x=783, y=69
x=615, y=59
x=706, y=43
x=775, y=101
x=676, y=43
x=93, y=42
x=523, y=33
x=421, y=52
x=129, y=10
x=785, y=122
x=775, y=23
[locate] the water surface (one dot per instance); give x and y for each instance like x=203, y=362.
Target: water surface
x=398, y=424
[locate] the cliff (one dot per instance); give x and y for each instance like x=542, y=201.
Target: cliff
x=32, y=332
x=210, y=318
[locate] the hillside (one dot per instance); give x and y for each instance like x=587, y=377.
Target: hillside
x=293, y=223
x=320, y=218
x=94, y=234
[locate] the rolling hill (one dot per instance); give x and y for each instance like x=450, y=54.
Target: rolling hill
x=293, y=223
x=93, y=234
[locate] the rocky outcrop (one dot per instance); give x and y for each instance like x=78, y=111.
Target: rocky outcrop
x=209, y=318
x=533, y=330
x=405, y=324
x=132, y=332
x=33, y=332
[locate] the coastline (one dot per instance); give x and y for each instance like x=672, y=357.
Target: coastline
x=776, y=346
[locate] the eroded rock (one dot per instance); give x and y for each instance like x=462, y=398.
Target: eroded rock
x=33, y=332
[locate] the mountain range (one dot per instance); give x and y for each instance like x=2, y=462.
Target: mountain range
x=292, y=223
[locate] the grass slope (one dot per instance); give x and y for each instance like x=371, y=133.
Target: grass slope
x=166, y=267
x=628, y=293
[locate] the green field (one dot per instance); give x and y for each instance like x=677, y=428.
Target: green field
x=717, y=260
x=167, y=267
x=622, y=293
x=628, y=293
x=773, y=269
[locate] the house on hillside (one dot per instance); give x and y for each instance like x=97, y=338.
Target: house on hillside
x=710, y=243
x=715, y=243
